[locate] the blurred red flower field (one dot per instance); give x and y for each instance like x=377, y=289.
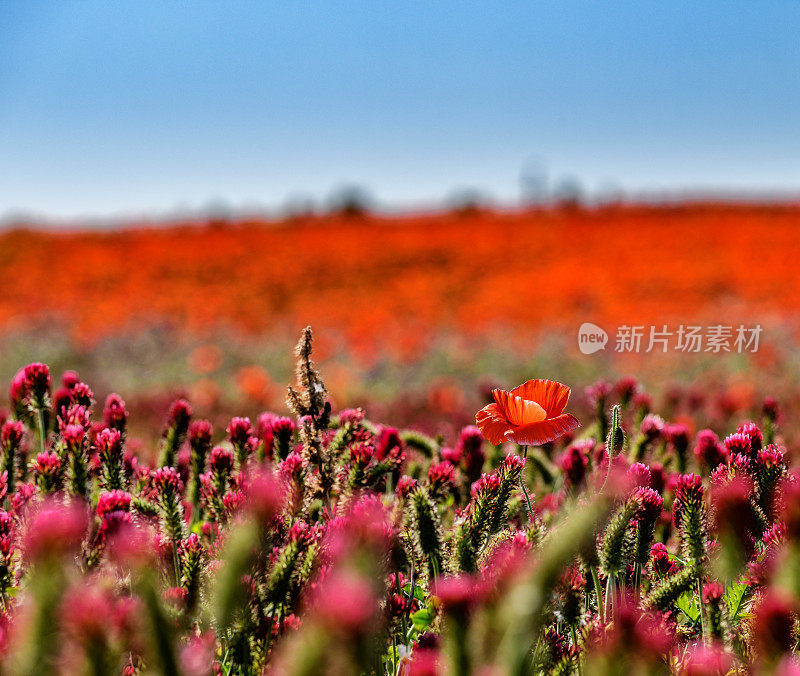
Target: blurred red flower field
x=383, y=280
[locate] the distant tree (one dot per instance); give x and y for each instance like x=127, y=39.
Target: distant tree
x=467, y=201
x=569, y=193
x=351, y=200
x=298, y=207
x=534, y=182
x=218, y=213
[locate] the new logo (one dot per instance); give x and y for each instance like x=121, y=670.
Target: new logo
x=591, y=338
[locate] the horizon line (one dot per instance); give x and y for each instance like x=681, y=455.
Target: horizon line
x=219, y=213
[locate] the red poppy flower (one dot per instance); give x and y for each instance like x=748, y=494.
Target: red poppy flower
x=531, y=414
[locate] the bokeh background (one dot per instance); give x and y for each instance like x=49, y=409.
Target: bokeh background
x=444, y=191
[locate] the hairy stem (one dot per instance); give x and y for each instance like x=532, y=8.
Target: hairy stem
x=522, y=484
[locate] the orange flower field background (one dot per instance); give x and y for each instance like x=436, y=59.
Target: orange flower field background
x=369, y=276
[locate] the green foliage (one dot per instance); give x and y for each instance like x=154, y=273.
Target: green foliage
x=664, y=595
x=690, y=606
x=420, y=442
x=615, y=548
x=228, y=593
x=426, y=532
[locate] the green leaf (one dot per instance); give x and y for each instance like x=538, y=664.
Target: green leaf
x=688, y=604
x=419, y=592
x=422, y=619
x=734, y=597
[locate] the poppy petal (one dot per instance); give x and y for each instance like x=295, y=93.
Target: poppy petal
x=502, y=401
x=552, y=396
x=538, y=433
x=518, y=411
x=492, y=424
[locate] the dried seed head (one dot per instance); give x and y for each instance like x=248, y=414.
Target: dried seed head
x=310, y=396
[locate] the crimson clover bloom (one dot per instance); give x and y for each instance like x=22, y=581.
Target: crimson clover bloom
x=37, y=378
x=114, y=413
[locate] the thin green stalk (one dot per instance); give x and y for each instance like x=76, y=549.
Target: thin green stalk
x=176, y=563
x=598, y=591
x=522, y=484
x=703, y=632
x=400, y=594
x=462, y=662
x=578, y=656
x=97, y=659
x=611, y=596
x=435, y=566
x=269, y=636
x=39, y=652
x=410, y=594
x=42, y=430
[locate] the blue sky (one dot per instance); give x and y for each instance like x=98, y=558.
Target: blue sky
x=145, y=107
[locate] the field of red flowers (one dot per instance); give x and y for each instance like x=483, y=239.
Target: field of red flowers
x=390, y=280
x=614, y=541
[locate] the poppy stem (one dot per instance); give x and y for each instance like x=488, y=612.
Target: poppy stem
x=522, y=484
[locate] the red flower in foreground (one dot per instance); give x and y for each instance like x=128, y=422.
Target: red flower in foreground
x=531, y=414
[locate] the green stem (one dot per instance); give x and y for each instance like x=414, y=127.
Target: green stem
x=176, y=563
x=42, y=430
x=703, y=632
x=410, y=595
x=400, y=594
x=611, y=596
x=462, y=663
x=96, y=652
x=269, y=636
x=598, y=592
x=609, y=445
x=522, y=484
x=578, y=656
